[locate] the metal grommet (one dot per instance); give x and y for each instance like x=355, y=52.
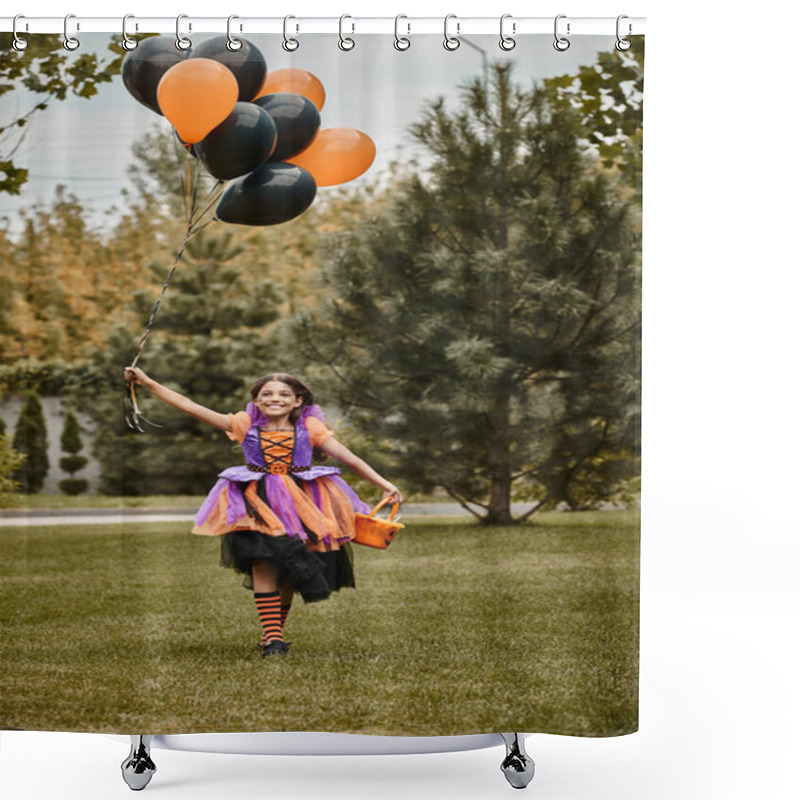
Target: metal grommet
x=561, y=43
x=181, y=42
x=289, y=44
x=70, y=42
x=451, y=42
x=507, y=42
x=345, y=42
x=233, y=44
x=622, y=44
x=127, y=42
x=401, y=42
x=19, y=43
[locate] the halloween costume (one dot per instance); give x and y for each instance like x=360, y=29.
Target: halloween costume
x=280, y=508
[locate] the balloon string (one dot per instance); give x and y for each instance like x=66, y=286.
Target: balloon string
x=215, y=193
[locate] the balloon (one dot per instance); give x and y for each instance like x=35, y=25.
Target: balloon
x=336, y=156
x=297, y=119
x=144, y=67
x=296, y=81
x=247, y=63
x=196, y=95
x=240, y=143
x=271, y=194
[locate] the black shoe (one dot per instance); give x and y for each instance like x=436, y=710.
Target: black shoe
x=276, y=647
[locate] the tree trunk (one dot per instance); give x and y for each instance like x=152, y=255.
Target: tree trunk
x=499, y=512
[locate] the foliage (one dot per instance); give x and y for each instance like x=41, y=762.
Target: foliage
x=72, y=443
x=485, y=327
x=30, y=438
x=609, y=96
x=210, y=342
x=48, y=73
x=10, y=462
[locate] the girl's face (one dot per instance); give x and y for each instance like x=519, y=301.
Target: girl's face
x=277, y=400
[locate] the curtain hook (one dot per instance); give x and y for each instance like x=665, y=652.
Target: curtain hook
x=401, y=42
x=345, y=42
x=233, y=44
x=19, y=43
x=451, y=42
x=507, y=42
x=127, y=42
x=289, y=44
x=70, y=42
x=561, y=43
x=181, y=42
x=622, y=44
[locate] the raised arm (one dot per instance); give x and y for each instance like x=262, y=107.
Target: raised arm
x=177, y=400
x=337, y=450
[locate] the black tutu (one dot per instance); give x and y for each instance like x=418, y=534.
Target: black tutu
x=313, y=575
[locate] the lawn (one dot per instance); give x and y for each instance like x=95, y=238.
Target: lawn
x=455, y=629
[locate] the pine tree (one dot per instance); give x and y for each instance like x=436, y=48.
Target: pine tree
x=72, y=443
x=210, y=342
x=485, y=328
x=30, y=438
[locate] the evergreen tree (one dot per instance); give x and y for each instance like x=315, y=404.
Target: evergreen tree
x=30, y=438
x=209, y=342
x=485, y=328
x=72, y=443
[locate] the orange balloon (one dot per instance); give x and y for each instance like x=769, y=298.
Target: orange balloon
x=336, y=156
x=196, y=95
x=297, y=81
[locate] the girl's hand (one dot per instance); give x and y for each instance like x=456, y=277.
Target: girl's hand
x=136, y=375
x=392, y=493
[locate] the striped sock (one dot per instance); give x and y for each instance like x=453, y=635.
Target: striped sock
x=269, y=612
x=285, y=613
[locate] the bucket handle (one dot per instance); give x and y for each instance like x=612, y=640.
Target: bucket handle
x=380, y=505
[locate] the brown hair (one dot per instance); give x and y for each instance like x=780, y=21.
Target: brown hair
x=295, y=384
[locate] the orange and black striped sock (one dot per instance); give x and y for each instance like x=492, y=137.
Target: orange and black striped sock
x=269, y=612
x=285, y=613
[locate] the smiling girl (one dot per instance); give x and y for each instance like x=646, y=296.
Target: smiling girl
x=285, y=523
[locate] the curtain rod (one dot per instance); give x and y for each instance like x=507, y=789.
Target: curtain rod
x=406, y=25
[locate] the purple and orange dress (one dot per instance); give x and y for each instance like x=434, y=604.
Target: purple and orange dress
x=280, y=508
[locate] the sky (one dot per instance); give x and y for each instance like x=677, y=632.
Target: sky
x=85, y=144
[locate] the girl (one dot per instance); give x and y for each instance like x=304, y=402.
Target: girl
x=284, y=523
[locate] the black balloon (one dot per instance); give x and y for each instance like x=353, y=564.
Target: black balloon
x=247, y=63
x=240, y=143
x=271, y=194
x=143, y=68
x=297, y=119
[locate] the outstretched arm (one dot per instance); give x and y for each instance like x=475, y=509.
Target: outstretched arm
x=177, y=400
x=337, y=450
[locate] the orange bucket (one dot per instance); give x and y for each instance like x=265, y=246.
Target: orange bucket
x=374, y=532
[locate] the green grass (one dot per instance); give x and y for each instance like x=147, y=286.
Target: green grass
x=455, y=629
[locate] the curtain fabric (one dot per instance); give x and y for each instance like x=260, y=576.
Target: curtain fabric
x=445, y=246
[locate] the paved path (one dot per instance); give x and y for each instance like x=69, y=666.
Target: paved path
x=113, y=516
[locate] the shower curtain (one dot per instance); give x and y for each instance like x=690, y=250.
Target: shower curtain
x=444, y=245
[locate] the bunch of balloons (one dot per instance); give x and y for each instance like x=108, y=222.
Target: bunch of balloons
x=258, y=130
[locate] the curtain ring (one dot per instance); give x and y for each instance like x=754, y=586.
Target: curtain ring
x=127, y=42
x=233, y=44
x=401, y=42
x=19, y=43
x=561, y=43
x=289, y=44
x=507, y=42
x=345, y=42
x=622, y=44
x=451, y=42
x=70, y=42
x=181, y=42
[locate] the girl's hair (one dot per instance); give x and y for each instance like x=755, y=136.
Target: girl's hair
x=295, y=384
